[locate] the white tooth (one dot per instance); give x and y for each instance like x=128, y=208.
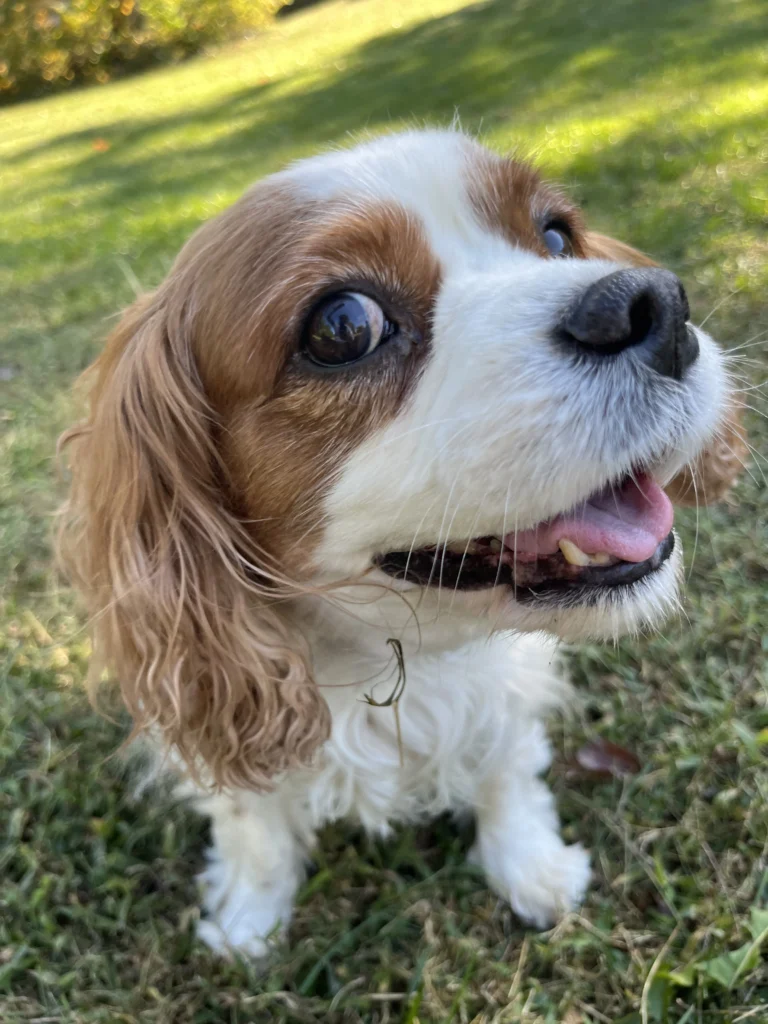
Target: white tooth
x=576, y=556
x=495, y=545
x=462, y=547
x=573, y=554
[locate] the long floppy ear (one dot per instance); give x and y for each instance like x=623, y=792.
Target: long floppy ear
x=712, y=474
x=601, y=247
x=185, y=611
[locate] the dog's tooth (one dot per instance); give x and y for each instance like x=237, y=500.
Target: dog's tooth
x=495, y=545
x=601, y=558
x=573, y=554
x=462, y=547
x=457, y=547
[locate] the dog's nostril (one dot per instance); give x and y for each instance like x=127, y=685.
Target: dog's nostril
x=640, y=319
x=642, y=310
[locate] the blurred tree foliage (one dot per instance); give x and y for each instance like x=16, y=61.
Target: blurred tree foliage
x=49, y=44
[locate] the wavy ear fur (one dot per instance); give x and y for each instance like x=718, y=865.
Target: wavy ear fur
x=185, y=610
x=601, y=247
x=712, y=474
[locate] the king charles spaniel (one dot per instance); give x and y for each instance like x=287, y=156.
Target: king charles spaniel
x=397, y=414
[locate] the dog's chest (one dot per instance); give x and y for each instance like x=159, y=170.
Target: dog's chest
x=457, y=715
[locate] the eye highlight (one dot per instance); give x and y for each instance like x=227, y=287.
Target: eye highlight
x=345, y=327
x=557, y=238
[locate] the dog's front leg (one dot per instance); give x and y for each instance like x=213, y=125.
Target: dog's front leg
x=518, y=838
x=256, y=864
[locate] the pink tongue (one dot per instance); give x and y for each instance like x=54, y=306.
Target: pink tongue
x=628, y=523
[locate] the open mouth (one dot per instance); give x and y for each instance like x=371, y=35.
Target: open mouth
x=616, y=537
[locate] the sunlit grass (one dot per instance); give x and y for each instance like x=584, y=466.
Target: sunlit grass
x=656, y=115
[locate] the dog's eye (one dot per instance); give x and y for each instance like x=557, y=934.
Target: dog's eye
x=557, y=239
x=345, y=327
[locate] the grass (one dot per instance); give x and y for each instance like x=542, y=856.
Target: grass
x=656, y=115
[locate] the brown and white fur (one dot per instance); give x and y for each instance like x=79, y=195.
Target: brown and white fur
x=229, y=501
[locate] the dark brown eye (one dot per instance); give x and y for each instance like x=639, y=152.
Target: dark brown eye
x=344, y=328
x=557, y=239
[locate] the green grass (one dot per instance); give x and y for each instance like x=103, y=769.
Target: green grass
x=656, y=113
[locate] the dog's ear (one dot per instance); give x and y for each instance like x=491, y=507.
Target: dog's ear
x=712, y=474
x=601, y=247
x=184, y=607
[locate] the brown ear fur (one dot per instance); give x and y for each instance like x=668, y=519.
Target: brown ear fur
x=710, y=476
x=601, y=247
x=184, y=609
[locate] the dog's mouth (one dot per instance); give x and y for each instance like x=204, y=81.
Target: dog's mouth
x=615, y=538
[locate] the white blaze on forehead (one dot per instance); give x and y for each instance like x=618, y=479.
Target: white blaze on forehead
x=427, y=173
x=501, y=430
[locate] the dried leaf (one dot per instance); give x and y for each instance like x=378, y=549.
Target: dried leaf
x=606, y=760
x=101, y=145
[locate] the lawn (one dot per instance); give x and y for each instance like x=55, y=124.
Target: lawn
x=656, y=115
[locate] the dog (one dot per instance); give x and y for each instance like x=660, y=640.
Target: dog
x=394, y=423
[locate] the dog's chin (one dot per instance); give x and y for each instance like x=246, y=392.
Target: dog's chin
x=597, y=612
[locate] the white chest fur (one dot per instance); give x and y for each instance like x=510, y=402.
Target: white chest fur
x=471, y=736
x=460, y=715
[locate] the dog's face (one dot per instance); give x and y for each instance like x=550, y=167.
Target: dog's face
x=408, y=363
x=471, y=392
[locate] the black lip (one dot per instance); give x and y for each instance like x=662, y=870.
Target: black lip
x=443, y=568
x=623, y=574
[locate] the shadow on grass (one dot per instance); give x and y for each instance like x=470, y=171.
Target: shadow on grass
x=509, y=58
x=521, y=61
x=100, y=890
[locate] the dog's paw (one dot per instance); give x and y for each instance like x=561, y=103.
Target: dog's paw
x=226, y=945
x=546, y=889
x=542, y=888
x=242, y=918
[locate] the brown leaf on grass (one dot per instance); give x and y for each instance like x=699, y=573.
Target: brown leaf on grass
x=100, y=145
x=573, y=1017
x=602, y=759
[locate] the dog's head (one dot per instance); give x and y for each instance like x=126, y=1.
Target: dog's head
x=409, y=363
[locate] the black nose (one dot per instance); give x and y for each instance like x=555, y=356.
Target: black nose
x=642, y=309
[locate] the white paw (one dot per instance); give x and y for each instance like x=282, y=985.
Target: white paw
x=243, y=918
x=542, y=889
x=218, y=940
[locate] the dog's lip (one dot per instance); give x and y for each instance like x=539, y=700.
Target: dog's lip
x=550, y=575
x=595, y=543
x=591, y=578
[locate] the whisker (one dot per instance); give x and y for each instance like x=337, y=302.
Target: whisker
x=717, y=305
x=466, y=547
x=743, y=464
x=440, y=535
x=752, y=387
x=425, y=426
x=501, y=554
x=756, y=339
x=696, y=534
x=445, y=549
